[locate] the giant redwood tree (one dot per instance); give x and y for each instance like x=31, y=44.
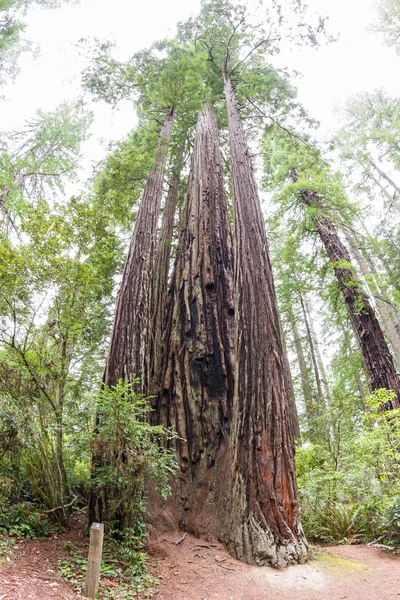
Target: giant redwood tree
x=162, y=270
x=197, y=381
x=128, y=355
x=265, y=527
x=225, y=385
x=321, y=191
x=264, y=523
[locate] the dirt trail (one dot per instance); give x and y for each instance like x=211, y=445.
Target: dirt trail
x=198, y=570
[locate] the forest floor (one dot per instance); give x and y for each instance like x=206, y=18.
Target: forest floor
x=195, y=569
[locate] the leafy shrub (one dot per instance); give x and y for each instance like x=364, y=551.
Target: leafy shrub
x=123, y=569
x=24, y=520
x=132, y=453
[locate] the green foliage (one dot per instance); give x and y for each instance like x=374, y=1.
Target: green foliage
x=124, y=573
x=387, y=25
x=134, y=452
x=43, y=154
x=12, y=24
x=349, y=481
x=56, y=290
x=166, y=74
x=293, y=164
x=122, y=175
x=24, y=520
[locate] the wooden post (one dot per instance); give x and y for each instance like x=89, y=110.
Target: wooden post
x=94, y=560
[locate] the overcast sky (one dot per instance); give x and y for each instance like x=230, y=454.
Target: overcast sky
x=357, y=62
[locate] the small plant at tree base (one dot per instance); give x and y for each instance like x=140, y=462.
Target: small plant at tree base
x=124, y=572
x=134, y=453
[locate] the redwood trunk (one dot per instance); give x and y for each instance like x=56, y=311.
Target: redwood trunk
x=265, y=526
x=129, y=351
x=162, y=273
x=197, y=389
x=376, y=355
x=129, y=355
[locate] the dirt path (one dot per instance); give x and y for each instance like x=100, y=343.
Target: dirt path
x=31, y=571
x=197, y=570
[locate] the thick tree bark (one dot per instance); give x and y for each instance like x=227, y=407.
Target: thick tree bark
x=386, y=310
x=129, y=356
x=265, y=526
x=197, y=387
x=376, y=355
x=129, y=352
x=162, y=273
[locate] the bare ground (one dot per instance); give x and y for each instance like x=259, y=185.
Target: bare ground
x=195, y=569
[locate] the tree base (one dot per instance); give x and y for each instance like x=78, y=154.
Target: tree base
x=255, y=545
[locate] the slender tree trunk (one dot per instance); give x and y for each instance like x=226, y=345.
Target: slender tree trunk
x=376, y=355
x=265, y=527
x=162, y=272
x=310, y=339
x=386, y=177
x=360, y=385
x=129, y=351
x=386, y=310
x=384, y=191
x=129, y=356
x=381, y=257
x=197, y=389
x=294, y=416
x=306, y=384
x=320, y=362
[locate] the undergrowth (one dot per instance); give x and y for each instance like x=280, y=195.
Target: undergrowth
x=124, y=572
x=348, y=478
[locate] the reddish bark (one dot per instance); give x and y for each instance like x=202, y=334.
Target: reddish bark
x=162, y=273
x=129, y=356
x=198, y=375
x=377, y=358
x=265, y=526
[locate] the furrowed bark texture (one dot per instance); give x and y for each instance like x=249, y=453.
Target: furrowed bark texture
x=265, y=526
x=129, y=355
x=376, y=355
x=197, y=386
x=129, y=351
x=161, y=273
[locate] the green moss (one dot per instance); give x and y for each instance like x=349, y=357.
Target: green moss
x=335, y=565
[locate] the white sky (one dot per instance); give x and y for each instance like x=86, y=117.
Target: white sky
x=357, y=62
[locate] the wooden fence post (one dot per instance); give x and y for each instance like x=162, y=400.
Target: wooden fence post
x=94, y=560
